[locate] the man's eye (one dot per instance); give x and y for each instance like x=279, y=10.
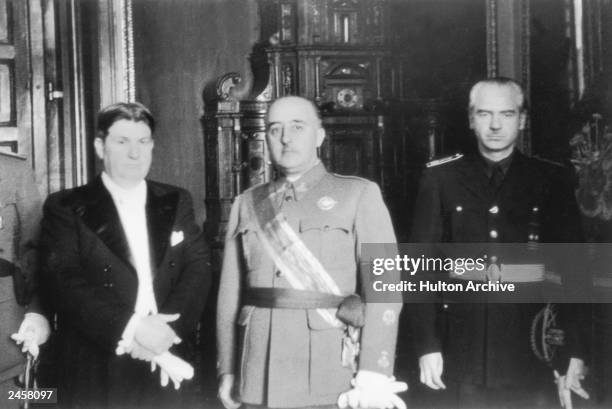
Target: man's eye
x=509, y=114
x=145, y=141
x=482, y=114
x=273, y=131
x=298, y=127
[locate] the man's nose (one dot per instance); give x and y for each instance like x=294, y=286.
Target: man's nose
x=285, y=136
x=495, y=122
x=134, y=151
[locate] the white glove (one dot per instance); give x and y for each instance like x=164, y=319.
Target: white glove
x=33, y=332
x=171, y=367
x=373, y=390
x=570, y=382
x=432, y=366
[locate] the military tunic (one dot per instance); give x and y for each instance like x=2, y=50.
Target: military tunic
x=292, y=357
x=20, y=214
x=488, y=344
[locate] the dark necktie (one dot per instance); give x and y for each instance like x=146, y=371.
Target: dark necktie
x=497, y=177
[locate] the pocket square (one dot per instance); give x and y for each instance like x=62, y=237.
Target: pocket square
x=176, y=238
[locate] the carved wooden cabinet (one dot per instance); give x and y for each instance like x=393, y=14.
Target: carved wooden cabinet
x=336, y=53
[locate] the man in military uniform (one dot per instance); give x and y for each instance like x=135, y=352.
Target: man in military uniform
x=20, y=213
x=292, y=256
x=495, y=196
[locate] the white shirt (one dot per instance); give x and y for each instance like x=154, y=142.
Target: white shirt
x=130, y=204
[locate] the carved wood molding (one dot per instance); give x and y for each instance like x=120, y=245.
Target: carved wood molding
x=508, y=47
x=116, y=50
x=491, y=38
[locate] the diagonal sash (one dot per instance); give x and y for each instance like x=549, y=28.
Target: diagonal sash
x=300, y=267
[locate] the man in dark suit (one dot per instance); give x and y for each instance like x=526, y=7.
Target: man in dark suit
x=128, y=269
x=495, y=196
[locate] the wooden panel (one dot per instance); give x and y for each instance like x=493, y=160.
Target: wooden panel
x=6, y=94
x=9, y=135
x=5, y=36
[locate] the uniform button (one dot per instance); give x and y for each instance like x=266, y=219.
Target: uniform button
x=459, y=208
x=279, y=273
x=326, y=227
x=108, y=268
x=493, y=259
x=493, y=234
x=536, y=237
x=172, y=264
x=531, y=237
x=535, y=209
x=494, y=210
x=445, y=306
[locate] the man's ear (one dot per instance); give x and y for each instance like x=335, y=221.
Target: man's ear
x=99, y=147
x=522, y=120
x=320, y=136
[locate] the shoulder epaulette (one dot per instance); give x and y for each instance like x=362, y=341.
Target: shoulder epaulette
x=351, y=177
x=444, y=160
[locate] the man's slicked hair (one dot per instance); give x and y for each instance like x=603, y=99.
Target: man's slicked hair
x=500, y=82
x=131, y=111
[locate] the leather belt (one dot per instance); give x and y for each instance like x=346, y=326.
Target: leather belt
x=289, y=298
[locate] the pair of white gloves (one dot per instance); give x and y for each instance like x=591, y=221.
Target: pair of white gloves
x=370, y=390
x=33, y=332
x=432, y=366
x=171, y=367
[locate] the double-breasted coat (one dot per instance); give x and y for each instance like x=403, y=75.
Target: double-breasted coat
x=488, y=344
x=292, y=357
x=87, y=267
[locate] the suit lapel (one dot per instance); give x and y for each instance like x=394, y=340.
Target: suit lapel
x=161, y=211
x=98, y=212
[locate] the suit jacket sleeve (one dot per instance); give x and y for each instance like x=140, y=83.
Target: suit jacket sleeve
x=379, y=334
x=189, y=293
x=94, y=310
x=427, y=227
x=229, y=295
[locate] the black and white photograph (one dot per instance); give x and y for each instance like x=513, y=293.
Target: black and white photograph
x=306, y=204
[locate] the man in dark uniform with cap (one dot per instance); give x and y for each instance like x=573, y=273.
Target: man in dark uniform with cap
x=495, y=196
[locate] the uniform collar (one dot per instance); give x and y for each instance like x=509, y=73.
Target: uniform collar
x=297, y=189
x=504, y=164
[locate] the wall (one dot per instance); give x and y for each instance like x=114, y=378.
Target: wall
x=550, y=109
x=442, y=44
x=181, y=45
